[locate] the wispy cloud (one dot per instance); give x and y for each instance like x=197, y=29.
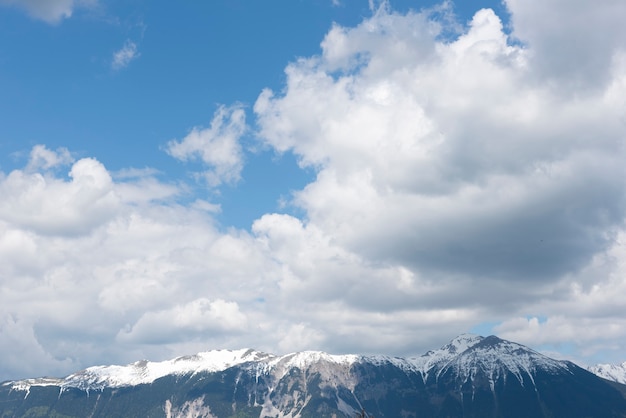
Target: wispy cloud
x=42, y=158
x=51, y=11
x=123, y=57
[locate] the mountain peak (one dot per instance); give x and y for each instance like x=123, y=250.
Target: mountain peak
x=442, y=356
x=614, y=372
x=494, y=359
x=468, y=356
x=463, y=342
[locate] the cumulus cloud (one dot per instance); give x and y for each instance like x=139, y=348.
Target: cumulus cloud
x=585, y=312
x=49, y=205
x=17, y=343
x=466, y=162
x=194, y=319
x=123, y=57
x=89, y=246
x=448, y=157
x=558, y=329
x=50, y=11
x=571, y=43
x=218, y=146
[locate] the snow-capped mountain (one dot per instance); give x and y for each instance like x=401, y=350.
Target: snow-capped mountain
x=146, y=372
x=472, y=376
x=469, y=355
x=614, y=372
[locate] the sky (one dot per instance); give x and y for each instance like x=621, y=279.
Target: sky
x=348, y=176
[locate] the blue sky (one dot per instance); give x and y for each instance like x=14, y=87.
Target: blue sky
x=189, y=60
x=333, y=175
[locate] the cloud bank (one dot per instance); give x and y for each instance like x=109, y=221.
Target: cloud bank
x=463, y=181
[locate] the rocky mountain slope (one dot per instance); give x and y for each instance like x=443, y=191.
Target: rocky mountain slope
x=472, y=376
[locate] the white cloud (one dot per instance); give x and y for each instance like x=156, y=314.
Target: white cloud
x=558, y=330
x=43, y=158
x=50, y=11
x=448, y=157
x=217, y=147
x=299, y=337
x=466, y=162
x=90, y=246
x=123, y=57
x=200, y=317
x=48, y=205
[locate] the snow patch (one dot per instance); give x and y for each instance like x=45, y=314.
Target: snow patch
x=614, y=372
x=146, y=372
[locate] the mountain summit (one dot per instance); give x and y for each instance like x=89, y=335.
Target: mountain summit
x=614, y=372
x=470, y=359
x=472, y=376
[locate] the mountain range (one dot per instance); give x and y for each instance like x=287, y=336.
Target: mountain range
x=472, y=376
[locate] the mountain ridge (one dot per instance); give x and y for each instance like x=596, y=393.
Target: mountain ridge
x=145, y=371
x=471, y=376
